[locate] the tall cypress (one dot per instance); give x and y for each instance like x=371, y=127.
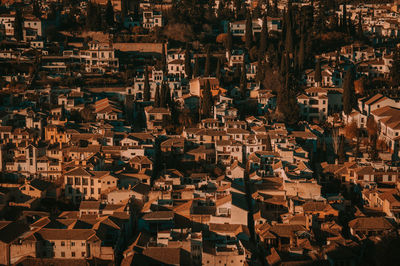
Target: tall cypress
x=395, y=69
x=301, y=53
x=109, y=14
x=268, y=145
x=157, y=97
x=263, y=37
x=18, y=33
x=207, y=102
x=348, y=92
x=249, y=32
x=167, y=95
x=164, y=60
x=196, y=70
x=163, y=94
x=260, y=70
x=289, y=31
x=287, y=101
x=243, y=82
x=317, y=73
x=344, y=18
x=124, y=9
x=146, y=90
x=207, y=66
x=229, y=40
x=188, y=65
x=218, y=70
x=341, y=150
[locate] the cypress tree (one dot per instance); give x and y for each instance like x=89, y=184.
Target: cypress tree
x=164, y=60
x=196, y=70
x=348, y=92
x=260, y=70
x=167, y=96
x=374, y=155
x=218, y=70
x=157, y=102
x=287, y=101
x=317, y=73
x=341, y=150
x=124, y=9
x=249, y=32
x=243, y=82
x=36, y=9
x=263, y=37
x=360, y=31
x=229, y=40
x=237, y=73
x=207, y=66
x=163, y=94
x=188, y=65
x=344, y=18
x=18, y=33
x=207, y=103
x=268, y=144
x=395, y=69
x=109, y=14
x=301, y=53
x=146, y=91
x=289, y=31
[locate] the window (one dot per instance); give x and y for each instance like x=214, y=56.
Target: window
x=72, y=254
x=62, y=243
x=73, y=243
x=83, y=244
x=62, y=254
x=83, y=254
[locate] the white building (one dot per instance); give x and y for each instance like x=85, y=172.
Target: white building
x=318, y=103
x=152, y=19
x=100, y=57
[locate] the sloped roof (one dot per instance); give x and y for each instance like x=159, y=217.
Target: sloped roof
x=370, y=223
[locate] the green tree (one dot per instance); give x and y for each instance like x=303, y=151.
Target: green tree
x=146, y=90
x=249, y=32
x=207, y=66
x=395, y=69
x=301, y=53
x=218, y=70
x=18, y=25
x=317, y=73
x=188, y=64
x=167, y=95
x=109, y=14
x=196, y=70
x=289, y=32
x=268, y=145
x=207, y=101
x=373, y=151
x=341, y=150
x=163, y=95
x=229, y=40
x=243, y=82
x=264, y=37
x=157, y=102
x=260, y=75
x=36, y=9
x=287, y=101
x=348, y=92
x=164, y=66
x=124, y=9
